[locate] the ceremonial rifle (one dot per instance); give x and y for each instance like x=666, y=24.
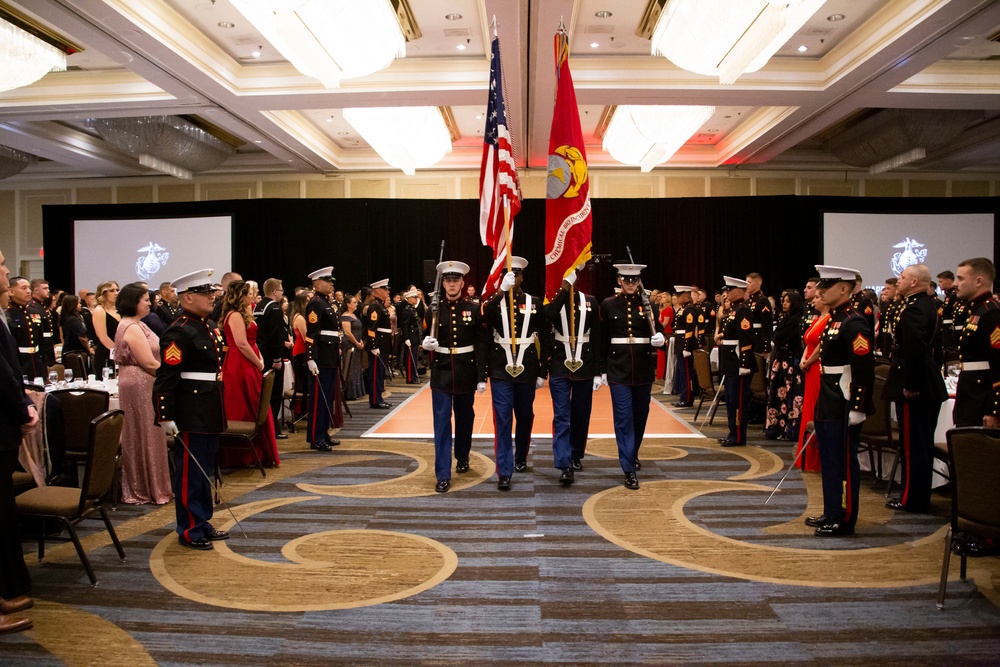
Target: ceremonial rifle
x=436, y=295
x=644, y=297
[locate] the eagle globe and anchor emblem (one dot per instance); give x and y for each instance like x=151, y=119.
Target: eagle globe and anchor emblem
x=912, y=252
x=156, y=256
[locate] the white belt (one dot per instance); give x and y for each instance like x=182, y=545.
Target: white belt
x=975, y=366
x=520, y=341
x=27, y=350
x=629, y=341
x=380, y=330
x=832, y=370
x=680, y=331
x=565, y=339
x=201, y=377
x=757, y=326
x=947, y=321
x=328, y=332
x=958, y=327
x=455, y=350
x=730, y=342
x=46, y=334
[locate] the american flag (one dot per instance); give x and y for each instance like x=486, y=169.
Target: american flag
x=497, y=176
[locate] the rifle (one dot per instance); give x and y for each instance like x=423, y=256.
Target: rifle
x=645, y=298
x=436, y=295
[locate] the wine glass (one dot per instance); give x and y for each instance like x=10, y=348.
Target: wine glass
x=53, y=377
x=68, y=375
x=106, y=373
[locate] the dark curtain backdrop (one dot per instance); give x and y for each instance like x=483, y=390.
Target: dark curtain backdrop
x=687, y=241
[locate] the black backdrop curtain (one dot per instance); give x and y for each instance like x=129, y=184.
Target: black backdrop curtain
x=684, y=240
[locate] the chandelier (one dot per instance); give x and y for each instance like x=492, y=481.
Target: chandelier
x=408, y=138
x=726, y=38
x=170, y=144
x=13, y=161
x=25, y=58
x=329, y=39
x=648, y=135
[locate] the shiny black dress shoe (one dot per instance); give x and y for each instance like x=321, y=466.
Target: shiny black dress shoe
x=462, y=466
x=281, y=436
x=679, y=404
x=726, y=442
x=201, y=544
x=381, y=406
x=895, y=505
x=319, y=446
x=835, y=529
x=330, y=442
x=503, y=484
x=442, y=485
x=217, y=535
x=577, y=465
x=521, y=467
x=630, y=481
x=566, y=478
x=637, y=464
x=816, y=521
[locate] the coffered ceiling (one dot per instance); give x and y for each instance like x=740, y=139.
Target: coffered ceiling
x=849, y=94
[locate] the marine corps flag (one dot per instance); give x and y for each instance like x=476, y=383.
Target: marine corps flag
x=567, y=208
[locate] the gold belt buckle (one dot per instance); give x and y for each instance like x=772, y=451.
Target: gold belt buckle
x=631, y=339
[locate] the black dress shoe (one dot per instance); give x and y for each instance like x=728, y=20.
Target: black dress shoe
x=462, y=466
x=330, y=442
x=577, y=465
x=835, y=529
x=566, y=478
x=319, y=446
x=217, y=535
x=503, y=484
x=637, y=464
x=281, y=436
x=816, y=521
x=521, y=467
x=201, y=544
x=630, y=481
x=442, y=485
x=381, y=406
x=895, y=505
x=726, y=442
x=679, y=404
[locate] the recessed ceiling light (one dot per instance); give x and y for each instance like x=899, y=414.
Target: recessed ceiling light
x=603, y=14
x=330, y=119
x=453, y=17
x=479, y=116
x=594, y=45
x=342, y=134
x=257, y=53
x=226, y=25
x=803, y=48
x=256, y=141
x=835, y=17
x=460, y=47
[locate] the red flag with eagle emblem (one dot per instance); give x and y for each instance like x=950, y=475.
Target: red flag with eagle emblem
x=568, y=220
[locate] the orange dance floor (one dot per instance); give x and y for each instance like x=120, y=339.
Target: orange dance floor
x=414, y=418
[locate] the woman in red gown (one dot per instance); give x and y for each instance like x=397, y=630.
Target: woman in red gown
x=810, y=365
x=242, y=373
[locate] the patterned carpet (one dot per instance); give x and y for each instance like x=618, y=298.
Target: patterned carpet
x=351, y=558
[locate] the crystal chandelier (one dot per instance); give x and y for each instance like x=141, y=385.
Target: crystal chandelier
x=648, y=135
x=408, y=138
x=329, y=39
x=726, y=38
x=25, y=58
x=13, y=161
x=169, y=144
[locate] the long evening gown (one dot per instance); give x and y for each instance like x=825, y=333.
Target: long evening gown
x=810, y=460
x=350, y=360
x=145, y=472
x=243, y=382
x=102, y=355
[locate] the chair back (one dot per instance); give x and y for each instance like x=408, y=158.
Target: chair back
x=758, y=382
x=103, y=441
x=79, y=407
x=266, y=387
x=974, y=455
x=703, y=370
x=880, y=423
x=58, y=368
x=76, y=360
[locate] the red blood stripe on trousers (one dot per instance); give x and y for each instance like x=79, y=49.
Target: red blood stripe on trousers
x=906, y=451
x=184, y=486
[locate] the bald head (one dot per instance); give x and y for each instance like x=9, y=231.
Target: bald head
x=914, y=278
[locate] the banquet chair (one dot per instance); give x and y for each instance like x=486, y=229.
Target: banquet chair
x=877, y=432
x=703, y=371
x=974, y=456
x=249, y=430
x=76, y=361
x=78, y=408
x=70, y=506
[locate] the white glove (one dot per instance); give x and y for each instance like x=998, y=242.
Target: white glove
x=507, y=282
x=429, y=343
x=686, y=353
x=656, y=340
x=744, y=371
x=604, y=379
x=481, y=388
x=539, y=383
x=407, y=343
x=571, y=278
x=376, y=351
x=169, y=428
x=855, y=417
x=313, y=368
x=597, y=382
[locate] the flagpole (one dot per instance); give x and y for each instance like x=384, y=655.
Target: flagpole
x=510, y=292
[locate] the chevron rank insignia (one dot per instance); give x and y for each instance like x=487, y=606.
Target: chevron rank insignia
x=313, y=318
x=995, y=337
x=172, y=355
x=745, y=324
x=860, y=345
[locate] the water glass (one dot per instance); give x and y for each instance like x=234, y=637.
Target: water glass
x=106, y=373
x=53, y=377
x=68, y=375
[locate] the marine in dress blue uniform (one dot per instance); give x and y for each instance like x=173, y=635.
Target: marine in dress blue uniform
x=189, y=404
x=514, y=367
x=323, y=360
x=40, y=292
x=688, y=326
x=628, y=347
x=574, y=373
x=378, y=343
x=977, y=397
x=458, y=371
x=26, y=328
x=915, y=385
x=847, y=375
x=272, y=336
x=761, y=314
x=737, y=361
